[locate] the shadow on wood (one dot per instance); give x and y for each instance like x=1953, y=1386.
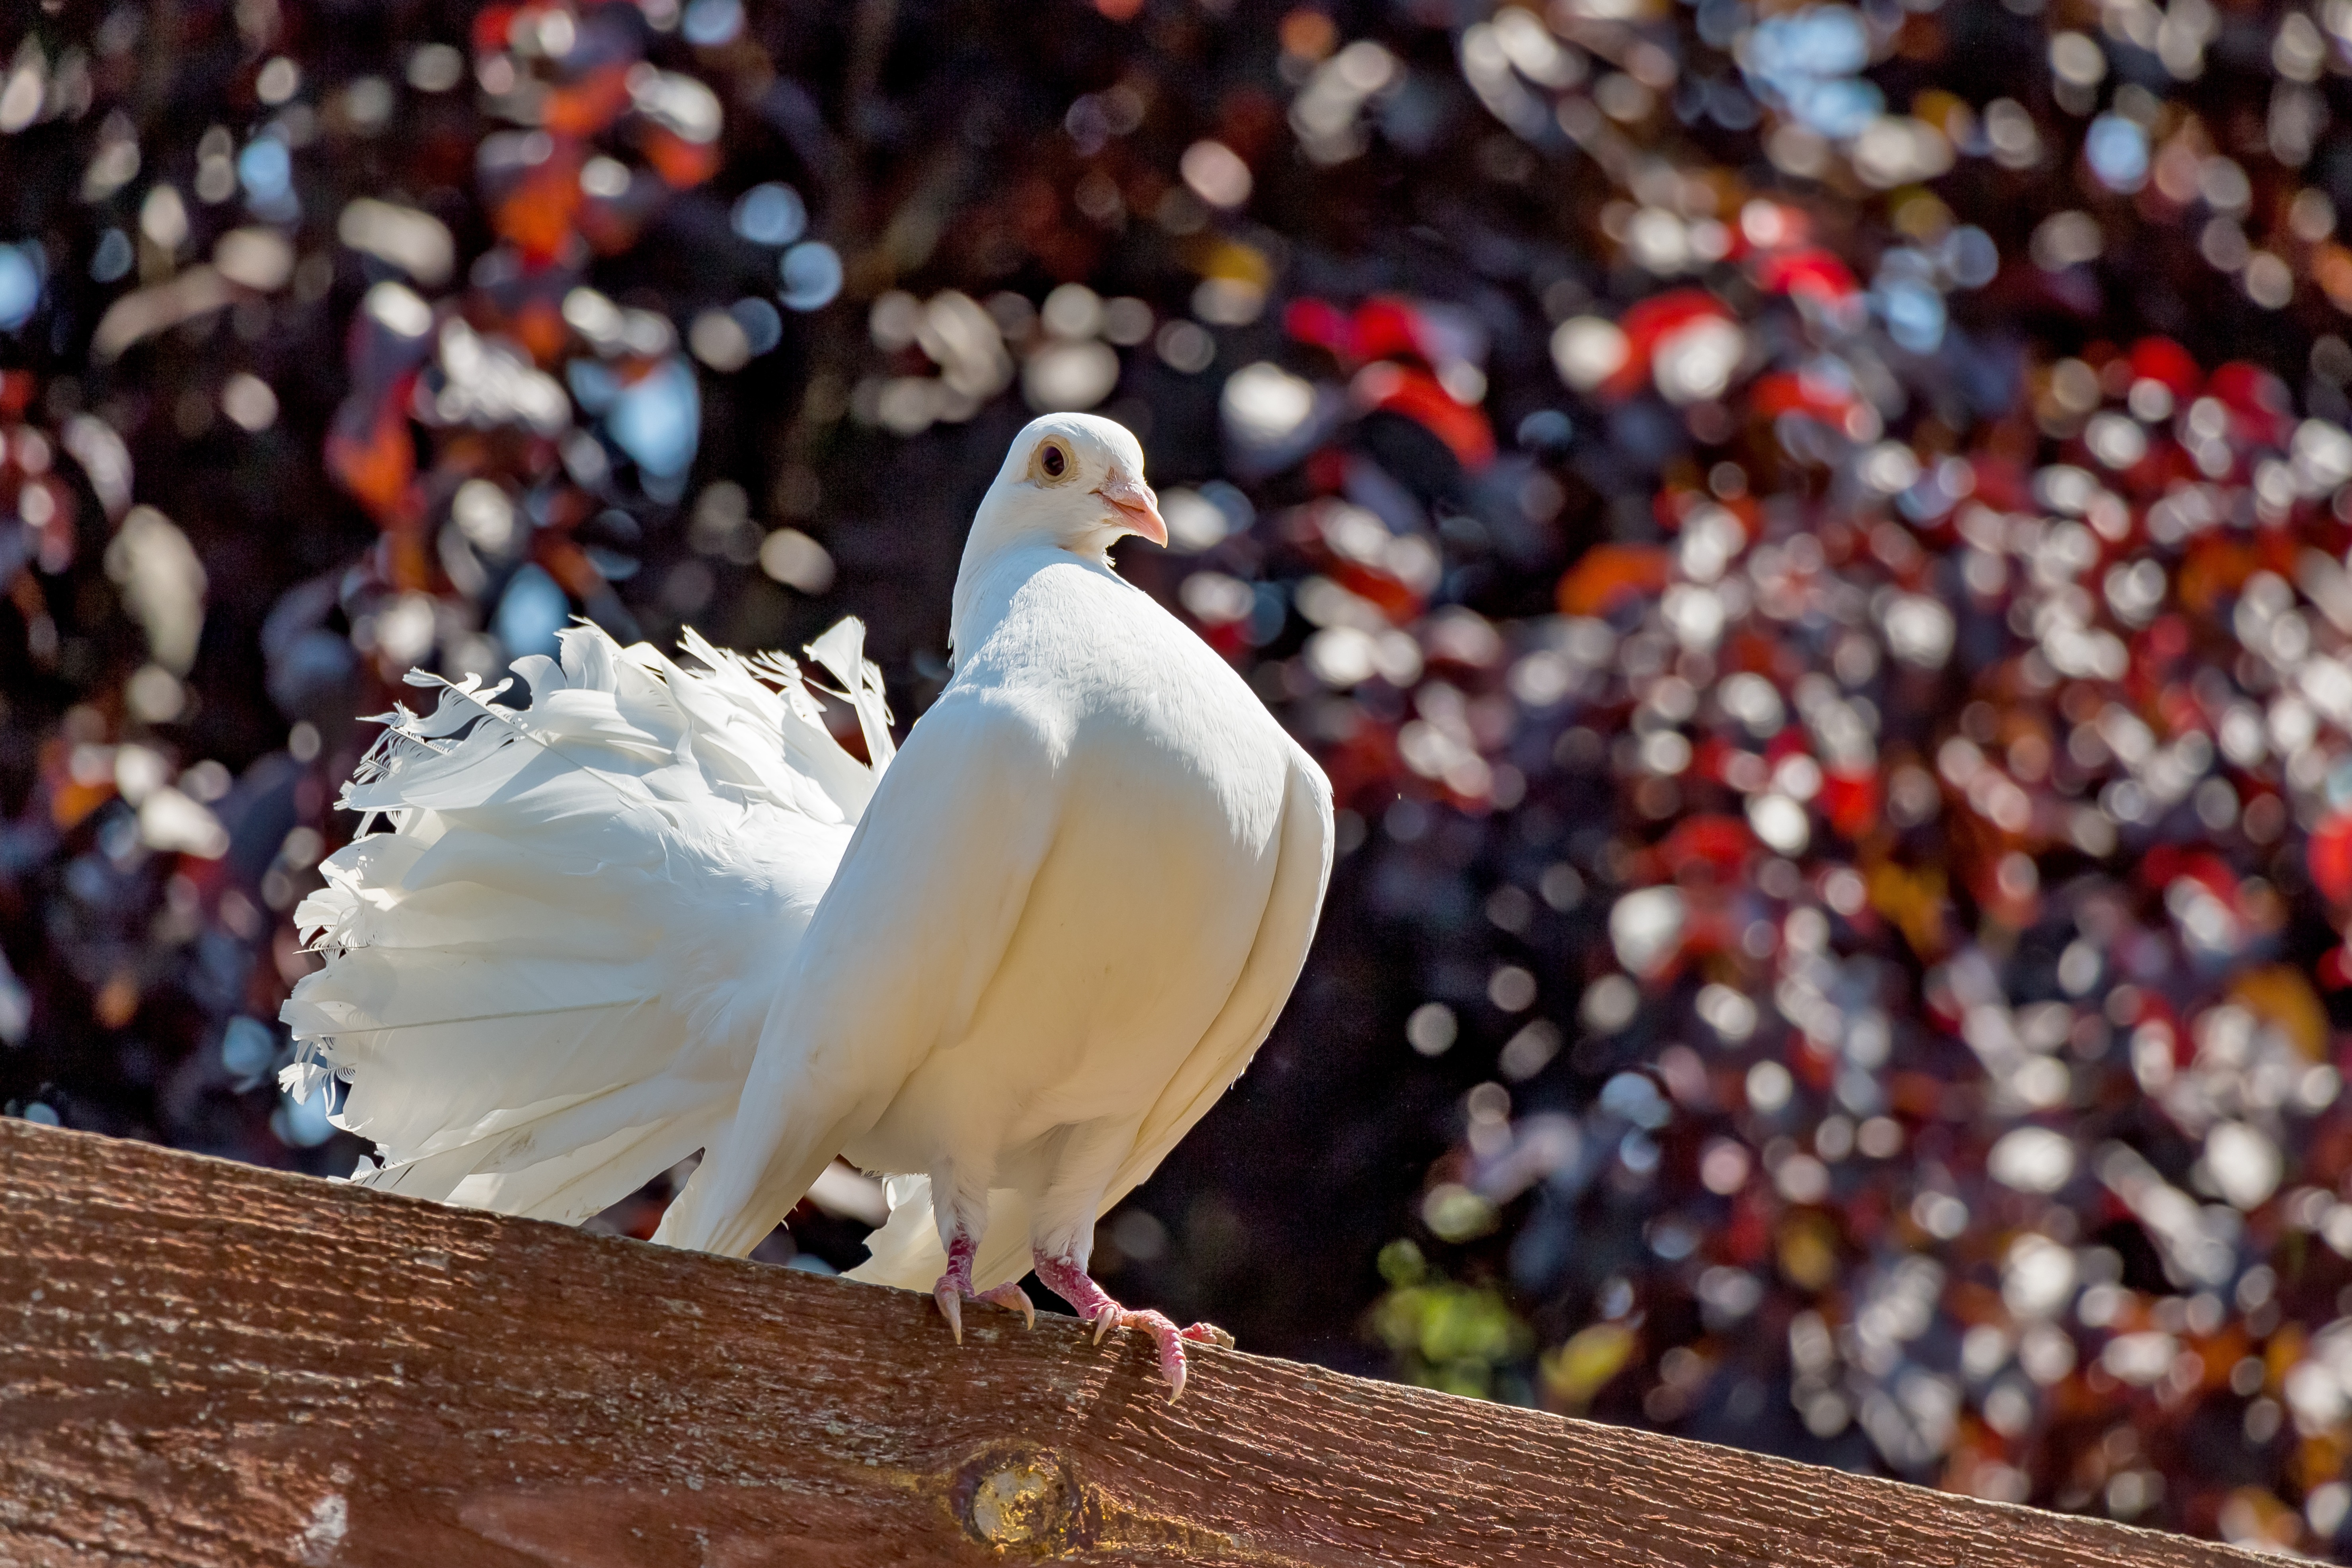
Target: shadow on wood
x=208, y=1364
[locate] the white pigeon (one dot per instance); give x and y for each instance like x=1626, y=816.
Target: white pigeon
x=662, y=911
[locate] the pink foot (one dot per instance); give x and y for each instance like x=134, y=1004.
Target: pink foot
x=954, y=1289
x=1073, y=1284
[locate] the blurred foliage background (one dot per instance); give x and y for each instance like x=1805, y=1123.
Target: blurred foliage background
x=1811, y=540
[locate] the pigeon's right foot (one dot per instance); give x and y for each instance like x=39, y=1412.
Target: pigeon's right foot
x=1166, y=1338
x=1069, y=1280
x=954, y=1289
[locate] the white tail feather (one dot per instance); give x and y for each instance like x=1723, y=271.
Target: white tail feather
x=545, y=976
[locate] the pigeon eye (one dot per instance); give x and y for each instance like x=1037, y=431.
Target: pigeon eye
x=1053, y=461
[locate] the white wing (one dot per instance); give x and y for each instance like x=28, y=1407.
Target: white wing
x=544, y=981
x=894, y=962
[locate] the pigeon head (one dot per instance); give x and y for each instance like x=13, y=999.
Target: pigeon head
x=1074, y=479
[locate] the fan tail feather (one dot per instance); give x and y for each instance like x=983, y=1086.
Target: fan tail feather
x=571, y=1187
x=546, y=969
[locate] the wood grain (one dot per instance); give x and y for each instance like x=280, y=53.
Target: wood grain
x=206, y=1363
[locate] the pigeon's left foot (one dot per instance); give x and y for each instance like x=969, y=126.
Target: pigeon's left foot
x=1071, y=1282
x=954, y=1289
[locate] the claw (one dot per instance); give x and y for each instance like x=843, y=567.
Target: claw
x=1176, y=1379
x=1013, y=1298
x=1105, y=1321
x=1209, y=1335
x=951, y=1307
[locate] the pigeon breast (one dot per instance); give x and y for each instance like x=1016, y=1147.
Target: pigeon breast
x=1171, y=780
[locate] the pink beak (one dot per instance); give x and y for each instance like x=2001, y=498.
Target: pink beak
x=1137, y=508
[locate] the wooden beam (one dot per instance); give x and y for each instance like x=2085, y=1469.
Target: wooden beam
x=204, y=1363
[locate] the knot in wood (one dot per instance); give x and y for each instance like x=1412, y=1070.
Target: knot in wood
x=1021, y=1496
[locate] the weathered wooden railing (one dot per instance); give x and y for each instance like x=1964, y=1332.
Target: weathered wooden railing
x=203, y=1363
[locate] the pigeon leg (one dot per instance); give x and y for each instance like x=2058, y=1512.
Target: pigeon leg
x=1068, y=1278
x=954, y=1289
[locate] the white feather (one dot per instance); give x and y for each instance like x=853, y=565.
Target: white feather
x=544, y=980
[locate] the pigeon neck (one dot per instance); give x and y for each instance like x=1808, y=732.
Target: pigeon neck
x=993, y=575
